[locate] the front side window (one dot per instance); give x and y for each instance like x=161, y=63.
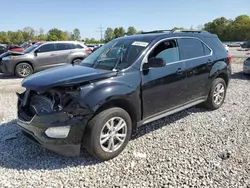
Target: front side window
x=117, y=54
x=167, y=50
x=46, y=48
x=192, y=48
x=31, y=48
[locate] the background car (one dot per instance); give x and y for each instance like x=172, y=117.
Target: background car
x=226, y=47
x=41, y=56
x=2, y=49
x=22, y=47
x=246, y=44
x=246, y=66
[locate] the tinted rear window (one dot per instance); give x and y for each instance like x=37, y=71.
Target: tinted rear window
x=64, y=46
x=191, y=48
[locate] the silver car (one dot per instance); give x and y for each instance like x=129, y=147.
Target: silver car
x=41, y=56
x=246, y=66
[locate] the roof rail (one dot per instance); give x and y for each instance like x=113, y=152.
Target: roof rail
x=174, y=31
x=156, y=31
x=190, y=31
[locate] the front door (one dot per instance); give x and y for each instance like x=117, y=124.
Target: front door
x=163, y=88
x=45, y=57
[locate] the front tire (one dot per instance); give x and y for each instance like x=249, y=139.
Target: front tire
x=216, y=95
x=77, y=61
x=23, y=70
x=108, y=133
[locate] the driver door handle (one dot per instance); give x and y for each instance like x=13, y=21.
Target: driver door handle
x=179, y=71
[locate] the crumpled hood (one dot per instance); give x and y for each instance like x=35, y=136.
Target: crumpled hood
x=9, y=53
x=64, y=75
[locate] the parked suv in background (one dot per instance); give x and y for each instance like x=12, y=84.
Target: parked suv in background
x=124, y=84
x=41, y=56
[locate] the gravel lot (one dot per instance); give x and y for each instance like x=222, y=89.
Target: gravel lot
x=194, y=148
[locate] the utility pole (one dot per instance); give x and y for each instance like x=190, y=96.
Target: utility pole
x=101, y=30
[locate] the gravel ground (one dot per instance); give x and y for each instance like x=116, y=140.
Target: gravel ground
x=194, y=148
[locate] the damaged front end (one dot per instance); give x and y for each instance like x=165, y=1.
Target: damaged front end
x=54, y=119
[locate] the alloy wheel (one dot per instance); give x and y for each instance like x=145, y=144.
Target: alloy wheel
x=113, y=134
x=219, y=93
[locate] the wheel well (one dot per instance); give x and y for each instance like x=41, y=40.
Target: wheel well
x=224, y=77
x=77, y=58
x=125, y=105
x=24, y=62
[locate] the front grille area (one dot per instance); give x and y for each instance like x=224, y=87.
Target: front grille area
x=31, y=104
x=41, y=105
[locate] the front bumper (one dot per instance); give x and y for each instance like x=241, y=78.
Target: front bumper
x=36, y=127
x=4, y=68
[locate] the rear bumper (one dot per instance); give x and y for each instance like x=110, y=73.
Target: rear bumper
x=36, y=127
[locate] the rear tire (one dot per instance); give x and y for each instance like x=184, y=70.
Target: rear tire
x=108, y=133
x=216, y=95
x=23, y=70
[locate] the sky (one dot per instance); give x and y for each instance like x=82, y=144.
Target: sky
x=89, y=15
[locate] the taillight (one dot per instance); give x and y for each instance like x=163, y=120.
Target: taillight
x=229, y=58
x=88, y=50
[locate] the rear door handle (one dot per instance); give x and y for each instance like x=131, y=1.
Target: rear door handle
x=179, y=71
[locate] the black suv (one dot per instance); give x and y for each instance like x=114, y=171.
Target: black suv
x=124, y=84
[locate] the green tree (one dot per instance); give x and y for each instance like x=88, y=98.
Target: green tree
x=28, y=33
x=52, y=37
x=16, y=37
x=119, y=32
x=178, y=28
x=131, y=31
x=76, y=35
x=4, y=38
x=41, y=36
x=220, y=27
x=109, y=34
x=57, y=34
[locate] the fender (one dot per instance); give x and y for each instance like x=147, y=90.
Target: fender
x=95, y=95
x=217, y=68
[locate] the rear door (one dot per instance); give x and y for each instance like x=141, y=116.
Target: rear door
x=198, y=60
x=63, y=51
x=45, y=57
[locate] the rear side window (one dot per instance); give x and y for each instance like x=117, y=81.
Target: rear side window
x=64, y=46
x=77, y=46
x=207, y=51
x=192, y=48
x=47, y=48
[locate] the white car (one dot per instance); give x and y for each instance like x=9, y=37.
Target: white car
x=226, y=46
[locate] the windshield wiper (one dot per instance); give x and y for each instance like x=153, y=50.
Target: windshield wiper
x=119, y=60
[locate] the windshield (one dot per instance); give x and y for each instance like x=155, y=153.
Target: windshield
x=117, y=54
x=32, y=47
x=24, y=44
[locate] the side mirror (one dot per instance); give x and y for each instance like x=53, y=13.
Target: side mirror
x=154, y=62
x=36, y=52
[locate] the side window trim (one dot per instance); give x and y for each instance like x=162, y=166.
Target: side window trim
x=144, y=60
